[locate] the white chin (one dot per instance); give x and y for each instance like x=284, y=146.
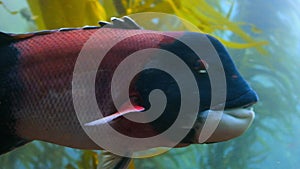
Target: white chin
x=232, y=123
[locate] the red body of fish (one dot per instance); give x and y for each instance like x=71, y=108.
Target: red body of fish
x=41, y=97
x=36, y=86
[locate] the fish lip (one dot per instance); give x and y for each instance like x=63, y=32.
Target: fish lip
x=219, y=107
x=241, y=113
x=233, y=123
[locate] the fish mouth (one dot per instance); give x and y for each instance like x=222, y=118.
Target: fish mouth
x=234, y=122
x=214, y=126
x=231, y=122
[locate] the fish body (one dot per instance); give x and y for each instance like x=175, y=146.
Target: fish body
x=36, y=73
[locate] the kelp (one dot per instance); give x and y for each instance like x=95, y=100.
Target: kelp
x=199, y=13
x=77, y=13
x=53, y=14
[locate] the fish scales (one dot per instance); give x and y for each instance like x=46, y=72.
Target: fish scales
x=45, y=65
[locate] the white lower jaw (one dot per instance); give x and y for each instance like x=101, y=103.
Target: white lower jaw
x=231, y=123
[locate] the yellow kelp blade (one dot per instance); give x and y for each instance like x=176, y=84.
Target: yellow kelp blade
x=77, y=13
x=201, y=14
x=53, y=14
x=131, y=165
x=151, y=152
x=246, y=45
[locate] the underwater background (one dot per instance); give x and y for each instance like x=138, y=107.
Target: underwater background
x=262, y=37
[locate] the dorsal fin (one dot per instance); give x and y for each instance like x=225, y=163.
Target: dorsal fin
x=121, y=23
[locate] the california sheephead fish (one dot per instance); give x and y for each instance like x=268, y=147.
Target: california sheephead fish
x=36, y=71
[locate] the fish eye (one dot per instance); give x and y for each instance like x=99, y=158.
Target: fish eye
x=202, y=71
x=201, y=66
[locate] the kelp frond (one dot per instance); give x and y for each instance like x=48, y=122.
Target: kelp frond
x=201, y=14
x=53, y=14
x=77, y=13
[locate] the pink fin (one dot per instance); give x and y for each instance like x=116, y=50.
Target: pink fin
x=109, y=118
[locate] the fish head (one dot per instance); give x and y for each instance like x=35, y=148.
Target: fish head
x=229, y=108
x=184, y=75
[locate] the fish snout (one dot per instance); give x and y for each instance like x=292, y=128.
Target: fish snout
x=224, y=121
x=234, y=122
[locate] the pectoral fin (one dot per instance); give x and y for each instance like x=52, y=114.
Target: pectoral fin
x=112, y=161
x=107, y=119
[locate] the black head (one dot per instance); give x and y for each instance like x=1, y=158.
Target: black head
x=238, y=93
